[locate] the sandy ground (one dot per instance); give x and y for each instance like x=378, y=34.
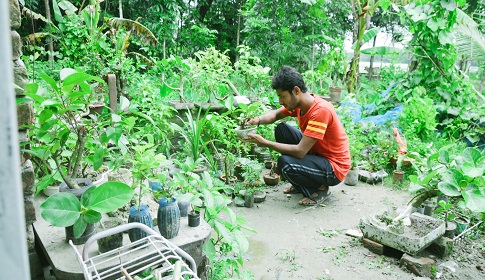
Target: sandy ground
x=297, y=242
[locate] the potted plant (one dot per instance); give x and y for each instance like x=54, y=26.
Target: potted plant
x=62, y=137
x=145, y=161
x=337, y=67
x=398, y=173
x=271, y=178
x=245, y=113
x=194, y=217
x=65, y=209
x=446, y=209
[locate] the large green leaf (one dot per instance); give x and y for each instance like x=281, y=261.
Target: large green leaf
x=368, y=35
x=61, y=209
x=450, y=184
x=470, y=42
x=79, y=227
x=475, y=199
x=92, y=216
x=471, y=163
x=109, y=197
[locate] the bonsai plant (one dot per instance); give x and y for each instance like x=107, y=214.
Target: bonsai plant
x=61, y=135
x=271, y=178
x=65, y=209
x=245, y=113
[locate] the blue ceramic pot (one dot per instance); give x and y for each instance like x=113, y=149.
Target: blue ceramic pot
x=140, y=216
x=183, y=207
x=168, y=218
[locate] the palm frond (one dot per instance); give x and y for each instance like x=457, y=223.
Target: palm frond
x=470, y=41
x=135, y=28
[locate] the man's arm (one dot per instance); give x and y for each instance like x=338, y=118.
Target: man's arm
x=268, y=117
x=299, y=150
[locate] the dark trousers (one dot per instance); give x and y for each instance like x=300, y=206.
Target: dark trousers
x=307, y=174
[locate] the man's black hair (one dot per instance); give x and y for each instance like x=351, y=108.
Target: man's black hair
x=287, y=78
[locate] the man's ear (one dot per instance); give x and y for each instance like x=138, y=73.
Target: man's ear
x=296, y=90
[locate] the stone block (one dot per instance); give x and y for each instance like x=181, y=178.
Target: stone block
x=20, y=75
x=25, y=114
x=420, y=266
x=441, y=247
x=28, y=177
x=15, y=18
x=29, y=210
x=16, y=46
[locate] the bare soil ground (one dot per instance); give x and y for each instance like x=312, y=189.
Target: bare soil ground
x=298, y=242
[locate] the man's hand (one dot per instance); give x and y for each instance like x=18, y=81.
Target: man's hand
x=251, y=121
x=254, y=138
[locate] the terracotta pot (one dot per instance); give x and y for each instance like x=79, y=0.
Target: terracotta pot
x=335, y=93
x=398, y=176
x=271, y=179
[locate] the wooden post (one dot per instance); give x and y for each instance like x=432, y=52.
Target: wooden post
x=113, y=94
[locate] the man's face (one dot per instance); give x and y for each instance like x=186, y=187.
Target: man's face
x=287, y=100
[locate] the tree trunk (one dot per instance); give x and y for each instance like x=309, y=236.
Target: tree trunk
x=371, y=61
x=49, y=39
x=120, y=8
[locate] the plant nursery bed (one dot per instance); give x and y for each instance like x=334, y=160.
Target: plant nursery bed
x=410, y=239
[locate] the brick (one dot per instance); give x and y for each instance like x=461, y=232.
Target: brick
x=373, y=246
x=422, y=266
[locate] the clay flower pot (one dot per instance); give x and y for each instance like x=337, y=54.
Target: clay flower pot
x=397, y=176
x=242, y=133
x=271, y=179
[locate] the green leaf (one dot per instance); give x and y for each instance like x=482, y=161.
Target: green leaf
x=109, y=197
x=450, y=184
x=45, y=115
x=50, y=81
x=92, y=216
x=98, y=158
x=79, y=227
x=448, y=4
x=66, y=72
x=475, y=199
x=57, y=11
x=434, y=24
x=164, y=90
x=210, y=250
x=445, y=37
x=61, y=209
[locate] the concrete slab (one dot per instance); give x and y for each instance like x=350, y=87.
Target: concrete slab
x=65, y=265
